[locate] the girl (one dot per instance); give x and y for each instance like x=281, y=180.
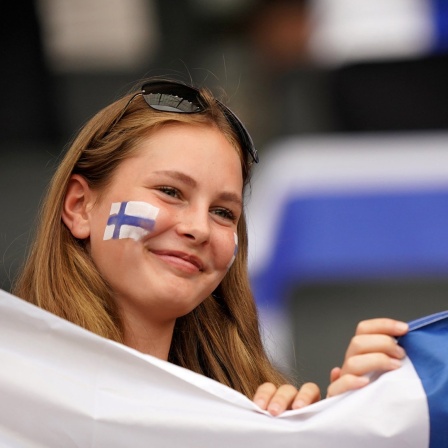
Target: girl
x=142, y=239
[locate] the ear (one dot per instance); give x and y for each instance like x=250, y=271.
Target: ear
x=77, y=203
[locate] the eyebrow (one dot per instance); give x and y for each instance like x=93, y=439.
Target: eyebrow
x=186, y=179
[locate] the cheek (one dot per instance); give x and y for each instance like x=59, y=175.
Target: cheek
x=130, y=219
x=109, y=259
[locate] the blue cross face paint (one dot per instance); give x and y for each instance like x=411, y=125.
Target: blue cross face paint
x=131, y=219
x=235, y=251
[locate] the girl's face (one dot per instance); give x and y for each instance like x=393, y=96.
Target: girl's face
x=193, y=176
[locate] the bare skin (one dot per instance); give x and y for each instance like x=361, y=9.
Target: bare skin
x=372, y=349
x=185, y=257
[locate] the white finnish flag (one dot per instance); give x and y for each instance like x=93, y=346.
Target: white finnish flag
x=62, y=386
x=131, y=219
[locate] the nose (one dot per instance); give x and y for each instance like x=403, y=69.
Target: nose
x=194, y=224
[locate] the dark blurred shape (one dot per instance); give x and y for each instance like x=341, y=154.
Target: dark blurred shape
x=193, y=30
x=27, y=102
x=399, y=95
x=25, y=170
x=279, y=31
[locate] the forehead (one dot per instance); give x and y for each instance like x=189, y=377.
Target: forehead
x=204, y=121
x=202, y=150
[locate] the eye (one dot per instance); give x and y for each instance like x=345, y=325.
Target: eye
x=224, y=213
x=170, y=191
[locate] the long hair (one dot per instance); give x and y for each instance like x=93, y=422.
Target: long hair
x=221, y=337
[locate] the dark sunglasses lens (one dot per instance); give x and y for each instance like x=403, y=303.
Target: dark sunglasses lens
x=170, y=103
x=172, y=98
x=179, y=98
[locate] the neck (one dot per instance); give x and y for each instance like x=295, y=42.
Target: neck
x=146, y=337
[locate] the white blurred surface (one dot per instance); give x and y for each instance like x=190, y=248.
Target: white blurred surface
x=92, y=35
x=362, y=30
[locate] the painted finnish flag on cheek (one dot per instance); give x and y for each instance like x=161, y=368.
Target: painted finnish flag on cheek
x=131, y=219
x=235, y=251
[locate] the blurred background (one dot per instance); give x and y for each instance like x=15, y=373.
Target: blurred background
x=347, y=102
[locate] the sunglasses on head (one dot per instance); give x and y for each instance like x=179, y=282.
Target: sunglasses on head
x=176, y=97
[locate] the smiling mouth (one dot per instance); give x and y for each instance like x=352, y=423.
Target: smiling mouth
x=181, y=260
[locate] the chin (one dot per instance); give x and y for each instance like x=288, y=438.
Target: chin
x=183, y=307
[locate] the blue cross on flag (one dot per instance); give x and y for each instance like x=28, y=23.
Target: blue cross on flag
x=132, y=219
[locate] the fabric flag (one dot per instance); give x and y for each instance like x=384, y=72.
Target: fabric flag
x=427, y=347
x=62, y=386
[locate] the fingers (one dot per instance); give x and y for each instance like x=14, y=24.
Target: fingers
x=277, y=400
x=371, y=343
x=308, y=393
x=353, y=374
x=335, y=374
x=372, y=349
x=264, y=394
x=370, y=362
x=345, y=383
x=382, y=326
x=274, y=400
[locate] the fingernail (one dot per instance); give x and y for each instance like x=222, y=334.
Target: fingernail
x=298, y=404
x=395, y=363
x=261, y=403
x=402, y=326
x=399, y=351
x=274, y=409
x=362, y=381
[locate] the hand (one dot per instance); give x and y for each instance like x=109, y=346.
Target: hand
x=277, y=400
x=372, y=349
